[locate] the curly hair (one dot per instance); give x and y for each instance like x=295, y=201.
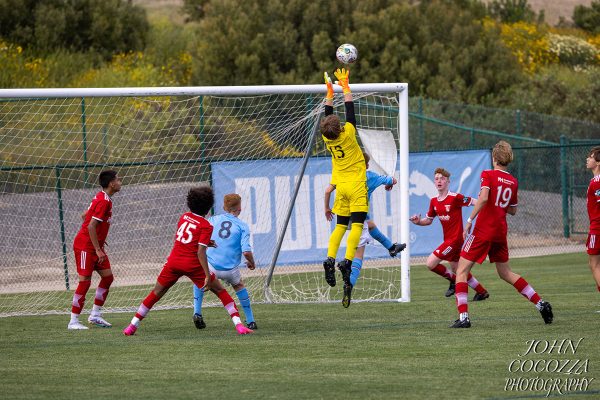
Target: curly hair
x=502, y=153
x=200, y=200
x=330, y=127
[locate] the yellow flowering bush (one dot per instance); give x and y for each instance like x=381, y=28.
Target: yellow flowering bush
x=530, y=44
x=19, y=71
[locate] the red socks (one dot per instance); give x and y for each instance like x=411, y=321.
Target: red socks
x=102, y=290
x=79, y=296
x=146, y=305
x=526, y=290
x=461, y=292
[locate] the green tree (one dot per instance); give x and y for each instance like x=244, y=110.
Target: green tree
x=438, y=46
x=104, y=26
x=511, y=11
x=588, y=18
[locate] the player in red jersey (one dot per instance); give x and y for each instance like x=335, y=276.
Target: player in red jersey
x=497, y=197
x=188, y=257
x=89, y=252
x=448, y=208
x=593, y=207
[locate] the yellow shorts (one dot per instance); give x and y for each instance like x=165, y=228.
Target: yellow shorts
x=351, y=197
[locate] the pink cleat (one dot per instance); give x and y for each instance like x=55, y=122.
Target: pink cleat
x=241, y=329
x=130, y=330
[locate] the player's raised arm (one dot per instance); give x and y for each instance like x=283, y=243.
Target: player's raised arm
x=329, y=95
x=343, y=76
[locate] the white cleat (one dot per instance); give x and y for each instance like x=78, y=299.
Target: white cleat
x=76, y=326
x=99, y=321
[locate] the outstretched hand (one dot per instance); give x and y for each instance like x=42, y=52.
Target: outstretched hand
x=415, y=219
x=343, y=76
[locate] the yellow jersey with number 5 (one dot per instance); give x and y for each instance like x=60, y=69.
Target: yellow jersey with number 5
x=348, y=163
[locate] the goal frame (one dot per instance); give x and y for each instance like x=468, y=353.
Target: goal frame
x=401, y=90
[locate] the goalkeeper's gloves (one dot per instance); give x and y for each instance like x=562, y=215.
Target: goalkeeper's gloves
x=329, y=95
x=343, y=76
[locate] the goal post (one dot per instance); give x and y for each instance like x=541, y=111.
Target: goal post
x=259, y=141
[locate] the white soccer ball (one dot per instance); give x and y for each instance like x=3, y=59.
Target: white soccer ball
x=346, y=53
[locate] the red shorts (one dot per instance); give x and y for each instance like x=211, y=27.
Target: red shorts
x=476, y=250
x=171, y=274
x=448, y=251
x=87, y=262
x=593, y=245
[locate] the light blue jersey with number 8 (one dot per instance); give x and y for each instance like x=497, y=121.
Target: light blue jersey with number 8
x=232, y=237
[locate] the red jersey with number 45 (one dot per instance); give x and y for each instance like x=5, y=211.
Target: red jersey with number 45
x=101, y=210
x=449, y=211
x=491, y=221
x=193, y=230
x=593, y=205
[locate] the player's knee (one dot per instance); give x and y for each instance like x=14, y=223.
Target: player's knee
x=358, y=217
x=107, y=280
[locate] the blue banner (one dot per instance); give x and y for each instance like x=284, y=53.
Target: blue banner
x=266, y=187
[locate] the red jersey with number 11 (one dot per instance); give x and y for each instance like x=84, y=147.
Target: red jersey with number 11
x=193, y=230
x=491, y=221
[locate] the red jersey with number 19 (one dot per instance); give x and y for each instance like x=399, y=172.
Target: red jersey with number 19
x=491, y=221
x=193, y=230
x=593, y=205
x=101, y=210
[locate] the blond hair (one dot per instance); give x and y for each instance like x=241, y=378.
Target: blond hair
x=441, y=171
x=502, y=153
x=231, y=202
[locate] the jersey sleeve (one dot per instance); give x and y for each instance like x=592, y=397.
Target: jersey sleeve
x=350, y=115
x=462, y=201
x=101, y=210
x=431, y=213
x=485, y=180
x=245, y=240
x=204, y=234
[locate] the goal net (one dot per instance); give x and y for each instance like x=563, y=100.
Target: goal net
x=261, y=142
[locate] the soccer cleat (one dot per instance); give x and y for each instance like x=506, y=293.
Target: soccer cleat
x=199, y=321
x=252, y=325
x=99, y=321
x=465, y=323
x=347, y=295
x=76, y=325
x=481, y=296
x=396, y=248
x=546, y=311
x=130, y=330
x=450, y=290
x=329, y=265
x=345, y=268
x=242, y=330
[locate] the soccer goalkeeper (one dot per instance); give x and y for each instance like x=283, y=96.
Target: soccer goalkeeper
x=349, y=176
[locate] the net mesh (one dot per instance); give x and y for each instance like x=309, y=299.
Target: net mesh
x=52, y=151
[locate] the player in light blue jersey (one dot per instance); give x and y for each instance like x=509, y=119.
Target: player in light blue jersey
x=370, y=230
x=231, y=238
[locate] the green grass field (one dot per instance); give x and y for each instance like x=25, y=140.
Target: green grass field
x=310, y=351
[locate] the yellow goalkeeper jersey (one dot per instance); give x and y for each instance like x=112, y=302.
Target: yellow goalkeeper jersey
x=348, y=163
